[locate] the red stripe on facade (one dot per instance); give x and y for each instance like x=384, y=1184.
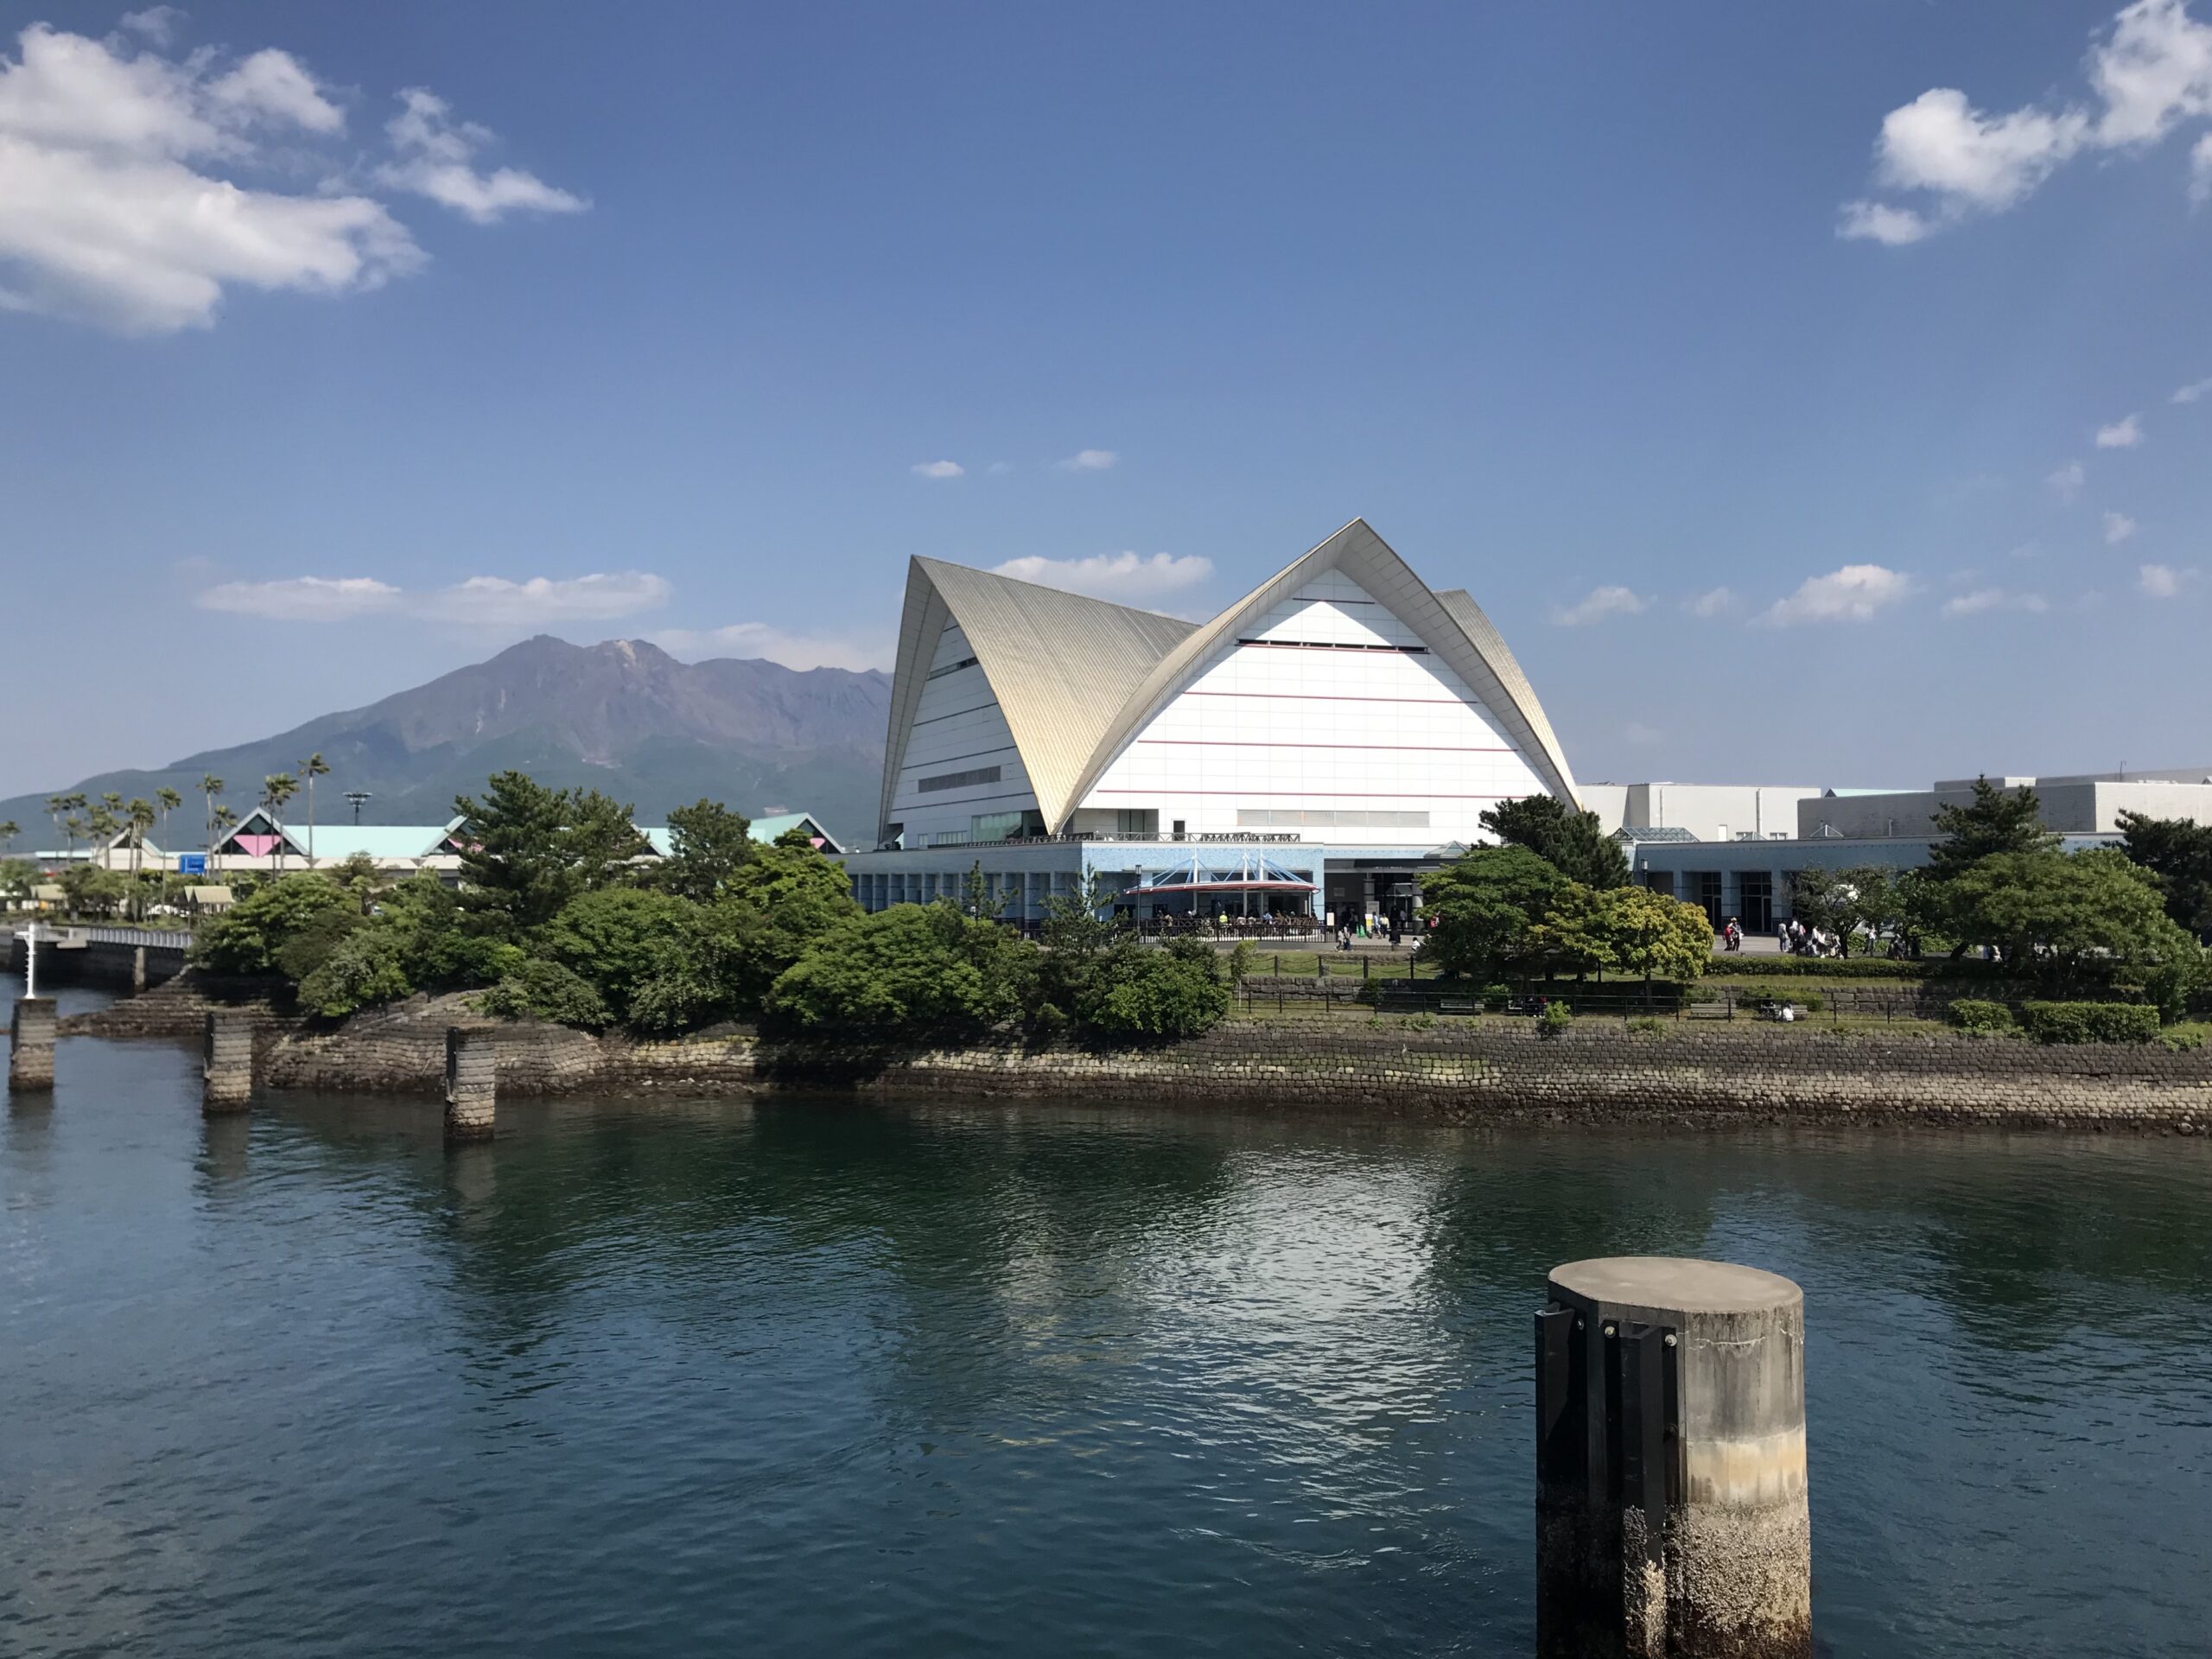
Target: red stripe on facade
x=1305, y=795
x=1318, y=696
x=1365, y=748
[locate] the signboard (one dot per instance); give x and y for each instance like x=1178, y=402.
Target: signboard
x=192, y=863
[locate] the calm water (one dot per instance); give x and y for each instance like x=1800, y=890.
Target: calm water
x=825, y=1379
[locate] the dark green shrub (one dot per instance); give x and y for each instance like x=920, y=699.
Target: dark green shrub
x=1495, y=997
x=545, y=990
x=2090, y=1022
x=363, y=970
x=1648, y=1026
x=249, y=937
x=1155, y=993
x=1973, y=1014
x=1555, y=1018
x=1810, y=1001
x=1742, y=967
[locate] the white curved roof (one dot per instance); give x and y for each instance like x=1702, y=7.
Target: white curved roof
x=1078, y=678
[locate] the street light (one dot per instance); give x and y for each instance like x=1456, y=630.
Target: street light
x=358, y=797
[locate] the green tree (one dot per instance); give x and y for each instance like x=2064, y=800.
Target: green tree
x=1996, y=820
x=709, y=845
x=1570, y=841
x=775, y=905
x=2064, y=917
x=9, y=830
x=313, y=768
x=1140, y=992
x=1651, y=935
x=361, y=970
x=618, y=938
x=250, y=937
x=2175, y=850
x=1488, y=903
x=1572, y=938
x=168, y=800
x=910, y=970
x=527, y=850
x=538, y=989
x=140, y=819
x=976, y=901
x=93, y=889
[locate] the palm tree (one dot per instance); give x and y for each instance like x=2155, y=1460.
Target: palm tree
x=277, y=788
x=169, y=801
x=223, y=818
x=141, y=819
x=57, y=807
x=312, y=768
x=72, y=827
x=9, y=830
x=71, y=805
x=209, y=787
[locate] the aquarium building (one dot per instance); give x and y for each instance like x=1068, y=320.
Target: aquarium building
x=1312, y=748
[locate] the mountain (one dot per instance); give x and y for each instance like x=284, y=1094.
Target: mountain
x=623, y=717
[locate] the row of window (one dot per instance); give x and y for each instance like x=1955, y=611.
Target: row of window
x=959, y=779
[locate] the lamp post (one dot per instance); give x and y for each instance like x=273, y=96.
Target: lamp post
x=356, y=798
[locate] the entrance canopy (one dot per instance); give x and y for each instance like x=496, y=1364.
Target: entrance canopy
x=1248, y=873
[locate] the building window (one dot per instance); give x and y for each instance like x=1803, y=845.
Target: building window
x=949, y=668
x=1704, y=889
x=959, y=779
x=1756, y=906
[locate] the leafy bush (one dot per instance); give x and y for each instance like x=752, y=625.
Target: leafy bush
x=1555, y=1018
x=1155, y=993
x=2090, y=1022
x=2183, y=1039
x=1973, y=1014
x=911, y=968
x=619, y=938
x=545, y=990
x=1495, y=997
x=249, y=937
x=1423, y=1021
x=1648, y=1026
x=361, y=971
x=1240, y=961
x=1744, y=967
x=1810, y=1001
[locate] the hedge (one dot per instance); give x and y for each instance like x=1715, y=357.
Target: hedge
x=1730, y=966
x=2090, y=1022
x=1971, y=1014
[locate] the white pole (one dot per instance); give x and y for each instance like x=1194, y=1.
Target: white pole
x=30, y=961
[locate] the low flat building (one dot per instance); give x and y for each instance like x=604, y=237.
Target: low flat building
x=1314, y=749
x=1705, y=812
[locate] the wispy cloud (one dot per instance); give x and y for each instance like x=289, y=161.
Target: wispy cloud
x=2150, y=73
x=938, y=469
x=480, y=601
x=1123, y=577
x=2121, y=433
x=138, y=187
x=1983, y=600
x=1598, y=604
x=1715, y=601
x=2118, y=528
x=2066, y=481
x=434, y=156
x=2193, y=392
x=1089, y=460
x=1857, y=593
x=752, y=639
x=2162, y=581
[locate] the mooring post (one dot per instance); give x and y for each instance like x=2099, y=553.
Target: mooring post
x=30, y=1045
x=471, y=1085
x=226, y=1063
x=138, y=971
x=1671, y=1516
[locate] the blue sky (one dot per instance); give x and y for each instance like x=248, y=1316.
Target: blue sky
x=1796, y=389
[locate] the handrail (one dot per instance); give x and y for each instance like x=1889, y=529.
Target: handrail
x=152, y=938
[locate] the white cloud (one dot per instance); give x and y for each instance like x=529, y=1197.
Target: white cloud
x=1877, y=221
x=1089, y=460
x=1598, y=604
x=303, y=598
x=2192, y=392
x=1717, y=601
x=2118, y=528
x=137, y=188
x=1983, y=600
x=1121, y=577
x=2150, y=74
x=999, y=468
x=2067, y=480
x=2162, y=581
x=435, y=154
x=1853, y=594
x=488, y=601
x=937, y=469
x=2121, y=434
x=792, y=650
x=2199, y=171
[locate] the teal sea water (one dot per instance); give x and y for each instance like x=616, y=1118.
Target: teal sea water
x=817, y=1377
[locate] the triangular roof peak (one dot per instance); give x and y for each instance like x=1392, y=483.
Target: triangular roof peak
x=1060, y=665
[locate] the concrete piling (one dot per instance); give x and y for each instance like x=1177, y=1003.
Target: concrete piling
x=471, y=1085
x=1671, y=1513
x=226, y=1063
x=30, y=1045
x=138, y=971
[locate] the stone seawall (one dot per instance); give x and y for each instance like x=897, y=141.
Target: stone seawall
x=1482, y=1070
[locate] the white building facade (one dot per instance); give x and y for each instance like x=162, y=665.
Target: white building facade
x=1343, y=715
